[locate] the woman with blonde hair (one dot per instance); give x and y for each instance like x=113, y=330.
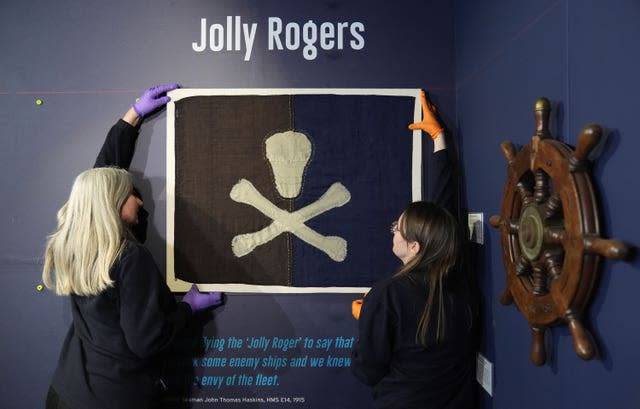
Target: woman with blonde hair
x=416, y=328
x=124, y=315
x=90, y=234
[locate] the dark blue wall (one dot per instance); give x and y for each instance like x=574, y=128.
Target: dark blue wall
x=88, y=61
x=583, y=56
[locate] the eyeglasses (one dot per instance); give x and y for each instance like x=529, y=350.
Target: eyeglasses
x=394, y=227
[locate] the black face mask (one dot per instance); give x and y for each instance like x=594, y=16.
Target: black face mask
x=139, y=230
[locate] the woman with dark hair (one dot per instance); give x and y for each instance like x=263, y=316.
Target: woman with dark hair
x=415, y=346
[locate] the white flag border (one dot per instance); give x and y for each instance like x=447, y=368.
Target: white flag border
x=177, y=285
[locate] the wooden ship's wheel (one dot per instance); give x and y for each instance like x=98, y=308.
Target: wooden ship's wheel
x=550, y=233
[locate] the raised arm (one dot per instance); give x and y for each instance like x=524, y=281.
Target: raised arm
x=120, y=144
x=442, y=184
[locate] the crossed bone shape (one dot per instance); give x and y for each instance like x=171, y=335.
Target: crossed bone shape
x=293, y=222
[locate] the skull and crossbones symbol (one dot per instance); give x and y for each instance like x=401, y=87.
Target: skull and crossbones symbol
x=288, y=154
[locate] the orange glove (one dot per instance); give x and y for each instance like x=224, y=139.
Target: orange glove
x=356, y=306
x=429, y=123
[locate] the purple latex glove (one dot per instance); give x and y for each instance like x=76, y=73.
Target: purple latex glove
x=152, y=99
x=200, y=301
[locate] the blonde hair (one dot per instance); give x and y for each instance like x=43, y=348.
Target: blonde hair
x=90, y=233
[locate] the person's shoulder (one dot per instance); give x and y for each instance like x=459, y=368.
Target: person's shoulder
x=134, y=252
x=135, y=257
x=398, y=283
x=392, y=295
x=382, y=285
x=133, y=247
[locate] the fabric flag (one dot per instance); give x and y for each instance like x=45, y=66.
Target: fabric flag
x=294, y=190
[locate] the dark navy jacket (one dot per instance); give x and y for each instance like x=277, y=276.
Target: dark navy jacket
x=113, y=353
x=387, y=357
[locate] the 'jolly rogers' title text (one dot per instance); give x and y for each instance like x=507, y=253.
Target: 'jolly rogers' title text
x=310, y=36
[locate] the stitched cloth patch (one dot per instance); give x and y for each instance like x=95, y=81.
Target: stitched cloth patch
x=286, y=192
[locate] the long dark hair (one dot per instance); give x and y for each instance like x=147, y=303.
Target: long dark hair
x=436, y=230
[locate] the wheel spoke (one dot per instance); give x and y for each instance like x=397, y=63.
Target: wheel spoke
x=539, y=281
x=525, y=192
x=541, y=189
x=553, y=235
x=553, y=262
x=552, y=206
x=523, y=266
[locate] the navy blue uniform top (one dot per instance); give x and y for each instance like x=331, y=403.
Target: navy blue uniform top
x=113, y=352
x=119, y=146
x=402, y=373
x=112, y=355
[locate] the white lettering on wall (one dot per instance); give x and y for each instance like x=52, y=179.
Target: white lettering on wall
x=234, y=35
